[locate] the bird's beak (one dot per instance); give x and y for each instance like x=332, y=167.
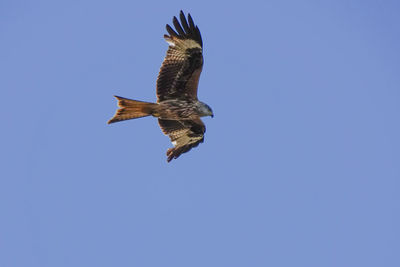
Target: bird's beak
x=212, y=115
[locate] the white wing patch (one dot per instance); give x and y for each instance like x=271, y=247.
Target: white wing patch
x=170, y=42
x=182, y=44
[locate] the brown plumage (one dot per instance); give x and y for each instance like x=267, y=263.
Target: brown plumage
x=184, y=135
x=178, y=110
x=132, y=109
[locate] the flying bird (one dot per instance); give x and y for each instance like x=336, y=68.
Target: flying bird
x=177, y=108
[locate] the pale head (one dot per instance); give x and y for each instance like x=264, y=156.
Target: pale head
x=204, y=109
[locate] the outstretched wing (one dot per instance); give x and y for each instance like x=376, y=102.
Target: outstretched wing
x=184, y=135
x=180, y=72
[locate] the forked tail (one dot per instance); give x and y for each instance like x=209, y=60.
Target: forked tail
x=132, y=109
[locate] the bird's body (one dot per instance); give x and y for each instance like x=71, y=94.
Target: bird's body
x=178, y=110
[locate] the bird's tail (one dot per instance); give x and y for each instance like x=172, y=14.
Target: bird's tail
x=132, y=109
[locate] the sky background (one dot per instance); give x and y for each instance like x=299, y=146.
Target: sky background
x=300, y=165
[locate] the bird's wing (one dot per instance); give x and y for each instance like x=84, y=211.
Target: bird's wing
x=184, y=135
x=180, y=71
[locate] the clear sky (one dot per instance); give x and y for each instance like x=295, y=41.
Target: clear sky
x=300, y=165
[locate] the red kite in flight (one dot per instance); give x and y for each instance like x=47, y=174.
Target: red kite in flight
x=178, y=110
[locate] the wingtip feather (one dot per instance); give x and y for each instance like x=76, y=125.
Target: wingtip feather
x=178, y=26
x=185, y=29
x=171, y=31
x=184, y=22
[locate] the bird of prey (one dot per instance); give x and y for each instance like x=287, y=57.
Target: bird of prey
x=178, y=110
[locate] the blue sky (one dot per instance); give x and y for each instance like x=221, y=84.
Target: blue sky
x=300, y=165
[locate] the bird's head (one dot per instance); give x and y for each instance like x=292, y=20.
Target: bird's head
x=205, y=110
